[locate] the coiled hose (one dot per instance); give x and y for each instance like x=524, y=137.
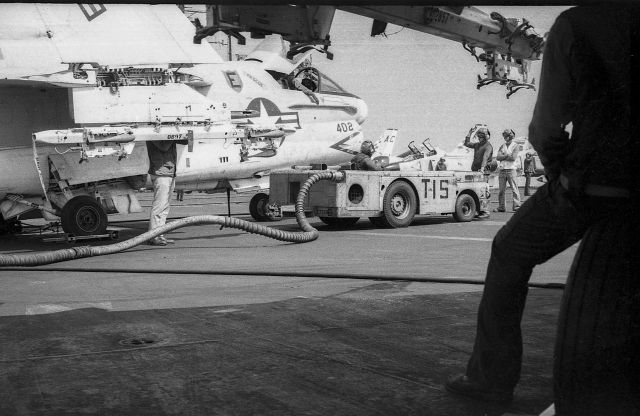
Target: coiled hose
x=308, y=233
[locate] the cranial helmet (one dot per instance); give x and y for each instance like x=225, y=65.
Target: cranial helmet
x=509, y=133
x=367, y=147
x=483, y=132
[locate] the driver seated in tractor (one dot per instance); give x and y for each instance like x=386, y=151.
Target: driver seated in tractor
x=362, y=160
x=442, y=164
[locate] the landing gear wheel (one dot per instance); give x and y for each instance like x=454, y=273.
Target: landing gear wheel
x=399, y=205
x=258, y=207
x=465, y=208
x=13, y=226
x=83, y=215
x=339, y=222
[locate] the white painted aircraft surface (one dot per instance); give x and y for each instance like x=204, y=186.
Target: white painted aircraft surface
x=425, y=156
x=83, y=86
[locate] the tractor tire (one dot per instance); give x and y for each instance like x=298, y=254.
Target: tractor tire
x=465, y=209
x=597, y=351
x=399, y=205
x=83, y=215
x=339, y=222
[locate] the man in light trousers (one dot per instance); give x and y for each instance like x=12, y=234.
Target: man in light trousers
x=162, y=168
x=507, y=156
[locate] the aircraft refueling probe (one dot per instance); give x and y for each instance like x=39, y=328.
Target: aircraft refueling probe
x=308, y=233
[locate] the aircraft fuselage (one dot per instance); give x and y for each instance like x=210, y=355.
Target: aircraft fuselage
x=327, y=131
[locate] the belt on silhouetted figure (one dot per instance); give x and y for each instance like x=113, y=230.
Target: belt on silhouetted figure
x=598, y=190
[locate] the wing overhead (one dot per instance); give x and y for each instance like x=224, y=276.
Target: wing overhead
x=125, y=34
x=40, y=39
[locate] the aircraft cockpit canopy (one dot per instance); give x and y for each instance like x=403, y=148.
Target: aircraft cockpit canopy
x=298, y=74
x=311, y=78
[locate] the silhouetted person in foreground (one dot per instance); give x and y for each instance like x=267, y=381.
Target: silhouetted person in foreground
x=592, y=185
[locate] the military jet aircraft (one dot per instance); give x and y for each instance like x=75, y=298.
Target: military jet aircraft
x=83, y=86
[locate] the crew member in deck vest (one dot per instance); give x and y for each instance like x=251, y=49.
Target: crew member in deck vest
x=482, y=156
x=507, y=157
x=363, y=159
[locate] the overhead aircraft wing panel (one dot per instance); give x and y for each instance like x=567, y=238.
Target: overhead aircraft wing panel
x=465, y=24
x=107, y=34
x=24, y=58
x=123, y=34
x=25, y=48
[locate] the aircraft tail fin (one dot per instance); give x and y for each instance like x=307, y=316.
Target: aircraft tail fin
x=385, y=144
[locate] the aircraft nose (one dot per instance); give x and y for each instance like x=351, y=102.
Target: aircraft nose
x=363, y=111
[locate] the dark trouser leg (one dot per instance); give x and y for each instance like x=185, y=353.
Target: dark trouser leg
x=597, y=353
x=545, y=225
x=527, y=184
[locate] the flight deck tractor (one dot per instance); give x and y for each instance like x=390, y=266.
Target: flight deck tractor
x=390, y=199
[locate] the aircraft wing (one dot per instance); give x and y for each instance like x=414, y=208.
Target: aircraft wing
x=461, y=24
x=508, y=43
x=43, y=39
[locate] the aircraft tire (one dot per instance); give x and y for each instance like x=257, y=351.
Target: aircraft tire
x=399, y=205
x=83, y=215
x=597, y=352
x=339, y=222
x=12, y=226
x=465, y=209
x=257, y=207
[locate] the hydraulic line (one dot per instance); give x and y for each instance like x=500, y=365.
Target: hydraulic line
x=308, y=233
x=279, y=273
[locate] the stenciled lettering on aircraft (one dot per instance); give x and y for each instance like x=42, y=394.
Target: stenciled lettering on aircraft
x=341, y=147
x=254, y=79
x=234, y=80
x=435, y=15
x=264, y=111
x=348, y=126
x=92, y=10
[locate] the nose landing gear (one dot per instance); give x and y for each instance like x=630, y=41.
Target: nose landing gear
x=83, y=215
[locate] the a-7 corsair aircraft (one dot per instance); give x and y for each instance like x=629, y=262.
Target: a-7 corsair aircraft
x=82, y=86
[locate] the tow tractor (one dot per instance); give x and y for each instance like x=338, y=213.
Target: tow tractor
x=389, y=198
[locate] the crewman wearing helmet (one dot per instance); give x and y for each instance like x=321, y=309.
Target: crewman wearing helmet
x=507, y=157
x=482, y=150
x=362, y=160
x=482, y=155
x=442, y=164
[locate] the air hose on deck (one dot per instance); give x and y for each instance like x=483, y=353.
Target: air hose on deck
x=308, y=233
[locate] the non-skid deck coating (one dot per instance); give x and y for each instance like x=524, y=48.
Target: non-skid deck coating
x=340, y=355
x=287, y=331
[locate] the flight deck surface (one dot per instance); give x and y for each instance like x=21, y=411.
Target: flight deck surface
x=229, y=323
